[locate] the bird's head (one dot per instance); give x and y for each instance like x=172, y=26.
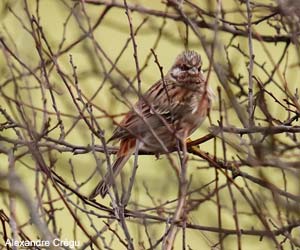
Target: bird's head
x=187, y=68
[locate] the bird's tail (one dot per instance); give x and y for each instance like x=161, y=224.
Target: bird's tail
x=127, y=148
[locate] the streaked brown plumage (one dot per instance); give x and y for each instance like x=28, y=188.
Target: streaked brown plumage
x=172, y=109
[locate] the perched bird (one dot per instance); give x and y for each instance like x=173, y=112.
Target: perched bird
x=171, y=110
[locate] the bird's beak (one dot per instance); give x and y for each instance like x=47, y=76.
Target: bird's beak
x=193, y=71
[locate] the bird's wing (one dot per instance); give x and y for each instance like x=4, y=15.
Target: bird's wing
x=171, y=101
x=163, y=101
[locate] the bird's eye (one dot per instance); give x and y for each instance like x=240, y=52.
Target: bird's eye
x=184, y=67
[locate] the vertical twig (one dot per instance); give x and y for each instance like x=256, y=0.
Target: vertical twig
x=250, y=67
x=134, y=44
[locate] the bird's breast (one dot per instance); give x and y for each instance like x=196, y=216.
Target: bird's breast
x=201, y=104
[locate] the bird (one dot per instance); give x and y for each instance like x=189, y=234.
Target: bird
x=169, y=112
